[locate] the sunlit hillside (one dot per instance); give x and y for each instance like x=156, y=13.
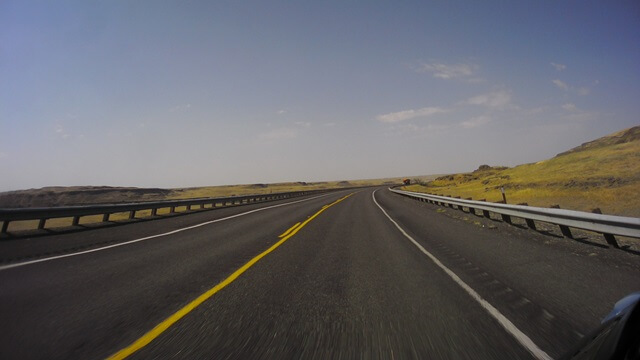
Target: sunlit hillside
x=604, y=174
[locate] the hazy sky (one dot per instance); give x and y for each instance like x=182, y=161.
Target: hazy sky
x=190, y=93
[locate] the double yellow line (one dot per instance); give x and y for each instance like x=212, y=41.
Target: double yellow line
x=164, y=325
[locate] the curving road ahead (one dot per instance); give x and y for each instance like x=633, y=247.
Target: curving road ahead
x=366, y=274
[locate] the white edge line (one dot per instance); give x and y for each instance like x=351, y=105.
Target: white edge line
x=15, y=265
x=521, y=337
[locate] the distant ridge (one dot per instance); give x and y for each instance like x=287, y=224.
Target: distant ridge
x=620, y=137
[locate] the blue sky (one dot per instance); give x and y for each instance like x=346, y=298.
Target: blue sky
x=193, y=93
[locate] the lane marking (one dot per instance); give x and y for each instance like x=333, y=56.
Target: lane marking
x=19, y=264
x=521, y=337
x=289, y=230
x=164, y=325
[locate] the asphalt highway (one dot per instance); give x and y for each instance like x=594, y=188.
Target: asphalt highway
x=349, y=274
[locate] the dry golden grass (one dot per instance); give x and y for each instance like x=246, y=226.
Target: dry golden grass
x=237, y=190
x=606, y=177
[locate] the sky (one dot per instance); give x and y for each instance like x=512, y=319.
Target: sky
x=198, y=93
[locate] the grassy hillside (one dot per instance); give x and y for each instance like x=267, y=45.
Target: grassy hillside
x=604, y=173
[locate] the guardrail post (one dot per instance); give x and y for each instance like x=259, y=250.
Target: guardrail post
x=154, y=212
x=506, y=218
x=76, y=220
x=188, y=207
x=132, y=214
x=460, y=207
x=531, y=224
x=172, y=210
x=566, y=231
x=41, y=224
x=5, y=226
x=611, y=240
x=485, y=213
x=105, y=217
x=471, y=210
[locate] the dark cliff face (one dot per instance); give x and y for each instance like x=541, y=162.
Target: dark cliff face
x=78, y=195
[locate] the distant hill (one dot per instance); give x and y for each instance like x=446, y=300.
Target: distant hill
x=84, y=195
x=78, y=195
x=603, y=173
x=620, y=137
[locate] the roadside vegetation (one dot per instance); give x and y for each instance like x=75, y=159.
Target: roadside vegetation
x=603, y=174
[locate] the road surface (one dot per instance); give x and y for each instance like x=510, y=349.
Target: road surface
x=350, y=274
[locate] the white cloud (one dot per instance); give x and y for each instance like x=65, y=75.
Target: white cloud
x=418, y=131
x=561, y=84
x=496, y=99
x=584, y=91
x=559, y=67
x=282, y=111
x=59, y=131
x=303, y=124
x=329, y=124
x=183, y=107
x=444, y=71
x=409, y=114
x=476, y=122
x=279, y=134
x=569, y=107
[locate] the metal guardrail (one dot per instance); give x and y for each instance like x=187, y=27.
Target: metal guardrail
x=44, y=213
x=607, y=225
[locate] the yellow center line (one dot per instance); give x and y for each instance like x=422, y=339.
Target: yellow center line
x=168, y=322
x=288, y=231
